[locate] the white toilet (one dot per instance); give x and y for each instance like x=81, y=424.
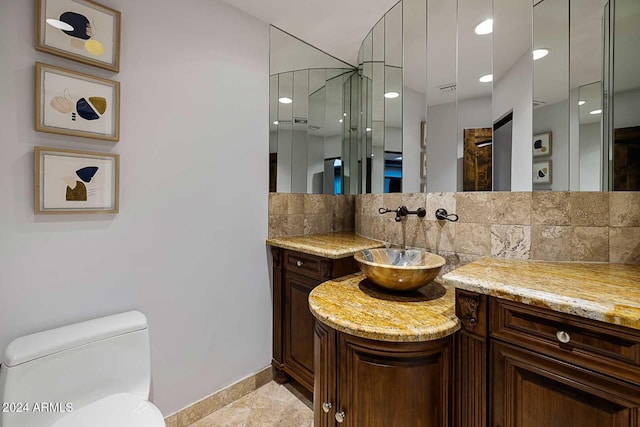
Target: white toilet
x=91, y=374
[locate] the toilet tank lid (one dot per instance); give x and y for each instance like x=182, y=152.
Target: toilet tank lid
x=34, y=346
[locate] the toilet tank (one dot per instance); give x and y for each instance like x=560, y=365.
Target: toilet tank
x=69, y=367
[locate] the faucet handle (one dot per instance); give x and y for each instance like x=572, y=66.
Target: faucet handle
x=385, y=210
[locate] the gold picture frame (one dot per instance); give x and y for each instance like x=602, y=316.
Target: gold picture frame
x=80, y=30
x=76, y=104
x=75, y=181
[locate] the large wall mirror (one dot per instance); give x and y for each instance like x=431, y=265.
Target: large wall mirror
x=481, y=95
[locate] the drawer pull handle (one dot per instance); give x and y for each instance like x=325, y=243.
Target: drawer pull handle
x=299, y=263
x=340, y=416
x=563, y=337
x=326, y=406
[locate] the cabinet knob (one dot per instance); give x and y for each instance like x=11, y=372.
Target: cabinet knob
x=326, y=406
x=563, y=337
x=299, y=263
x=340, y=416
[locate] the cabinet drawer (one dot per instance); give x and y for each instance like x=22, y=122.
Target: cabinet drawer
x=307, y=265
x=598, y=346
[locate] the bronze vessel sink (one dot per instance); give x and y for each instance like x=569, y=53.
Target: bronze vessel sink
x=399, y=269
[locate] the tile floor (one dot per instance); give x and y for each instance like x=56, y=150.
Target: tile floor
x=272, y=405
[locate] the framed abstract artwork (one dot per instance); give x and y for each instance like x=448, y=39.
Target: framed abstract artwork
x=81, y=30
x=76, y=104
x=71, y=181
x=542, y=172
x=542, y=144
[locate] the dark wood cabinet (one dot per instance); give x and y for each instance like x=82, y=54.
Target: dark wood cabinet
x=524, y=366
x=367, y=383
x=295, y=275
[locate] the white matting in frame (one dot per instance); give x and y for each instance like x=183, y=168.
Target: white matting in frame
x=73, y=181
x=76, y=104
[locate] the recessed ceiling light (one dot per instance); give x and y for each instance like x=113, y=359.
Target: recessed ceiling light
x=485, y=27
x=391, y=95
x=368, y=129
x=594, y=112
x=59, y=25
x=486, y=78
x=582, y=102
x=540, y=53
x=340, y=121
x=285, y=100
x=275, y=122
x=344, y=114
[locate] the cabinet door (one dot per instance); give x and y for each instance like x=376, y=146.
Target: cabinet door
x=298, y=329
x=324, y=385
x=531, y=390
x=393, y=384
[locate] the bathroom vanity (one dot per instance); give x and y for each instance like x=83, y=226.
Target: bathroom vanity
x=382, y=359
x=547, y=344
x=301, y=263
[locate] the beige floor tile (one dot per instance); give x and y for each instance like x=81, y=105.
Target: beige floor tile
x=271, y=405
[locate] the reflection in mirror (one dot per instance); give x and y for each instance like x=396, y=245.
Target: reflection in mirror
x=551, y=90
x=512, y=94
x=380, y=102
x=474, y=133
x=306, y=118
x=586, y=84
x=625, y=102
x=441, y=149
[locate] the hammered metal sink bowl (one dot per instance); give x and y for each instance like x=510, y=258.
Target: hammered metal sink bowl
x=399, y=269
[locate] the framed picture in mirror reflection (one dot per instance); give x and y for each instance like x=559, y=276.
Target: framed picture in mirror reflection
x=542, y=172
x=542, y=144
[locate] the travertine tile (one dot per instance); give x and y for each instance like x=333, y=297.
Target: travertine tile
x=393, y=231
x=295, y=225
x=415, y=232
x=392, y=200
x=550, y=208
x=377, y=227
x=440, y=236
x=413, y=201
x=317, y=223
x=277, y=225
x=550, y=242
x=171, y=421
x=372, y=203
x=511, y=208
x=624, y=244
x=296, y=203
x=263, y=377
x=590, y=244
x=473, y=239
x=624, y=208
x=589, y=209
x=436, y=201
x=358, y=202
x=474, y=207
x=316, y=204
x=511, y=241
x=278, y=203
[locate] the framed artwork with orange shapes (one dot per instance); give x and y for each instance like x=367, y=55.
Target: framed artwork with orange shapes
x=81, y=30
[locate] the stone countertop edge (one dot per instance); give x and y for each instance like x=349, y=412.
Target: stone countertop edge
x=343, y=305
x=329, y=245
x=604, y=292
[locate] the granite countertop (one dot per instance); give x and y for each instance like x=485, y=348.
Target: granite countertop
x=600, y=291
x=353, y=305
x=328, y=245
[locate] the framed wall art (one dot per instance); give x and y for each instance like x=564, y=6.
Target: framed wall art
x=542, y=144
x=81, y=30
x=76, y=104
x=71, y=181
x=542, y=172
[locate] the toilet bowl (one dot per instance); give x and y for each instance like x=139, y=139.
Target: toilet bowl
x=95, y=373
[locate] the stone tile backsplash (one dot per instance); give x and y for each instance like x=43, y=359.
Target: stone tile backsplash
x=298, y=214
x=550, y=226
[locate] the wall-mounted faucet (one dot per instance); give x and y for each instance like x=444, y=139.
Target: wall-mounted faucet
x=403, y=211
